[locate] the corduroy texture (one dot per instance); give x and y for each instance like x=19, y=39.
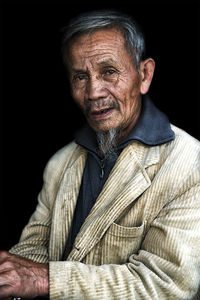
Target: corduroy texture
x=141, y=239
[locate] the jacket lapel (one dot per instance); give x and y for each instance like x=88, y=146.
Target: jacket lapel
x=127, y=181
x=65, y=204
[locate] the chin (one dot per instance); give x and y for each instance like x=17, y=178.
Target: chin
x=103, y=127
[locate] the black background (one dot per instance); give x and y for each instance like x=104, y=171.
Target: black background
x=37, y=114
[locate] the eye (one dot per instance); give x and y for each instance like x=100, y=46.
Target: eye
x=80, y=77
x=79, y=80
x=110, y=72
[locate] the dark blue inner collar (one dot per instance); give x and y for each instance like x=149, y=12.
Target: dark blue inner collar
x=153, y=128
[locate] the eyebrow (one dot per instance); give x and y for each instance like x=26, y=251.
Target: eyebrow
x=103, y=62
x=107, y=62
x=78, y=71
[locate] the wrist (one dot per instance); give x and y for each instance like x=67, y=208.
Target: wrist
x=43, y=283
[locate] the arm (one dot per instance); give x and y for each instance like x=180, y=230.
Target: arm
x=24, y=272
x=34, y=241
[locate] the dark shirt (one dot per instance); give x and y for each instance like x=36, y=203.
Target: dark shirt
x=152, y=128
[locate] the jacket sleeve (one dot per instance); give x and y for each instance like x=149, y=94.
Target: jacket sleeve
x=34, y=241
x=167, y=265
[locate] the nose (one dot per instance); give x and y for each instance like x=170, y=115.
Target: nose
x=96, y=89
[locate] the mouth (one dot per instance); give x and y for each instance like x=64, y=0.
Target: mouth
x=102, y=113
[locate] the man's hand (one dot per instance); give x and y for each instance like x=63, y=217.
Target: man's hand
x=21, y=277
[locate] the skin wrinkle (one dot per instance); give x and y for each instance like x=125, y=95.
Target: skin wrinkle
x=91, y=55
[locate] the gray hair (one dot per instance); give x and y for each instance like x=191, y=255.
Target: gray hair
x=90, y=22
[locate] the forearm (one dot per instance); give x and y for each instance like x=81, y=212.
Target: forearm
x=31, y=250
x=74, y=280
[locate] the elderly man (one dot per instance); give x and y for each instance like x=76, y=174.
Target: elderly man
x=119, y=213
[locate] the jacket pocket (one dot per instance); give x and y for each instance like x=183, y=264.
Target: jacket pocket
x=120, y=242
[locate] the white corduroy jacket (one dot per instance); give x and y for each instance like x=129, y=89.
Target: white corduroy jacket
x=141, y=239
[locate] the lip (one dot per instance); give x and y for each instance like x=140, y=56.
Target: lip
x=101, y=113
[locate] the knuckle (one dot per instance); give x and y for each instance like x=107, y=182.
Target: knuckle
x=3, y=254
x=13, y=274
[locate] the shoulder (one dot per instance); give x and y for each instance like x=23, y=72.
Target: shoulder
x=180, y=161
x=185, y=147
x=183, y=135
x=61, y=160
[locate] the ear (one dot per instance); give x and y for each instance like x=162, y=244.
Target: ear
x=147, y=67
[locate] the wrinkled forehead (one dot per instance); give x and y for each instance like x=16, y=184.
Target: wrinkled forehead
x=114, y=30
x=109, y=43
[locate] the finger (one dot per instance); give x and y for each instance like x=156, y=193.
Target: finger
x=4, y=253
x=6, y=266
x=3, y=256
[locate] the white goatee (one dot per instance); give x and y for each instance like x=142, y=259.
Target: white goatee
x=107, y=143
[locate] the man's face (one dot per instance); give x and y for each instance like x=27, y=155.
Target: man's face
x=104, y=80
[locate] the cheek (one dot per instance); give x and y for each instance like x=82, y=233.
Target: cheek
x=78, y=97
x=128, y=99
